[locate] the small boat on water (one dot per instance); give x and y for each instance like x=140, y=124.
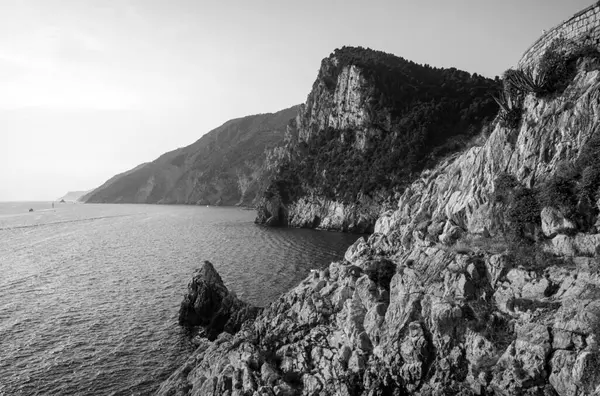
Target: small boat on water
x=31, y=209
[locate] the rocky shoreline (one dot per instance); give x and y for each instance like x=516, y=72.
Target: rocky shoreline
x=437, y=322
x=484, y=280
x=210, y=305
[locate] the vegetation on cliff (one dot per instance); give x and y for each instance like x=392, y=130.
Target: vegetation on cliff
x=484, y=280
x=225, y=166
x=555, y=70
x=434, y=112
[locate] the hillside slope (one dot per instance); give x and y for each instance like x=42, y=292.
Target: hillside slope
x=73, y=196
x=483, y=280
x=370, y=124
x=224, y=167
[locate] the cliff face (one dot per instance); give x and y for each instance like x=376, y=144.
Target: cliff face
x=224, y=167
x=370, y=124
x=484, y=280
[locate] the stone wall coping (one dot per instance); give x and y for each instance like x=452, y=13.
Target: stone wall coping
x=551, y=32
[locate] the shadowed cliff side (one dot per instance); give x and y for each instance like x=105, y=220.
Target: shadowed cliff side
x=370, y=124
x=210, y=305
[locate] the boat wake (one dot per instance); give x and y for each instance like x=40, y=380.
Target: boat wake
x=63, y=222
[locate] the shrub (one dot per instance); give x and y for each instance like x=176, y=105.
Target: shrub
x=559, y=62
x=559, y=192
x=511, y=119
x=532, y=257
x=590, y=153
x=524, y=210
x=525, y=207
x=590, y=181
x=504, y=184
x=482, y=316
x=567, y=170
x=509, y=87
x=555, y=68
x=585, y=51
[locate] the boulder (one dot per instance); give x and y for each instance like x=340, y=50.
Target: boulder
x=209, y=304
x=450, y=234
x=553, y=223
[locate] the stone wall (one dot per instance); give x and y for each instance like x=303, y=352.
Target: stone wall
x=583, y=25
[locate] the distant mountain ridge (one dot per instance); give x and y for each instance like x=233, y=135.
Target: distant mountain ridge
x=224, y=167
x=73, y=196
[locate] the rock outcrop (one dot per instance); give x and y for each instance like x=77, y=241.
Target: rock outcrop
x=467, y=287
x=356, y=142
x=212, y=306
x=430, y=321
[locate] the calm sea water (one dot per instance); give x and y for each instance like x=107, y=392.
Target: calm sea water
x=89, y=294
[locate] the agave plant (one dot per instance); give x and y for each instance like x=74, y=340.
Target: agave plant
x=505, y=101
x=510, y=113
x=527, y=80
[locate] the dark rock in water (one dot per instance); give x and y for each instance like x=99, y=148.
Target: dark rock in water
x=211, y=305
x=271, y=212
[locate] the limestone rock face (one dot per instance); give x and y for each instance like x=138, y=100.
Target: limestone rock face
x=425, y=322
x=342, y=108
x=348, y=96
x=409, y=311
x=209, y=304
x=553, y=222
x=329, y=215
x=459, y=189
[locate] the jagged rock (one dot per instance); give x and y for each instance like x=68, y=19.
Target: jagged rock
x=522, y=366
x=580, y=244
x=209, y=304
x=553, y=222
x=414, y=351
x=271, y=212
x=561, y=377
x=497, y=266
x=450, y=234
x=403, y=314
x=359, y=249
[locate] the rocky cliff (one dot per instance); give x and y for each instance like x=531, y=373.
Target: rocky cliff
x=224, y=167
x=370, y=124
x=483, y=280
x=210, y=305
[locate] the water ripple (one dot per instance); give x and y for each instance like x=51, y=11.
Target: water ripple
x=89, y=293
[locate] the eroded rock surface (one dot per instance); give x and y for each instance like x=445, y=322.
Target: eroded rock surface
x=426, y=322
x=212, y=306
x=435, y=302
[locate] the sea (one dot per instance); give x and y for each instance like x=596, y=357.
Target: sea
x=89, y=293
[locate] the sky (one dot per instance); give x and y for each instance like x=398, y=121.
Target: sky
x=91, y=88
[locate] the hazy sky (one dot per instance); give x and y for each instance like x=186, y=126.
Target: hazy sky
x=92, y=88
